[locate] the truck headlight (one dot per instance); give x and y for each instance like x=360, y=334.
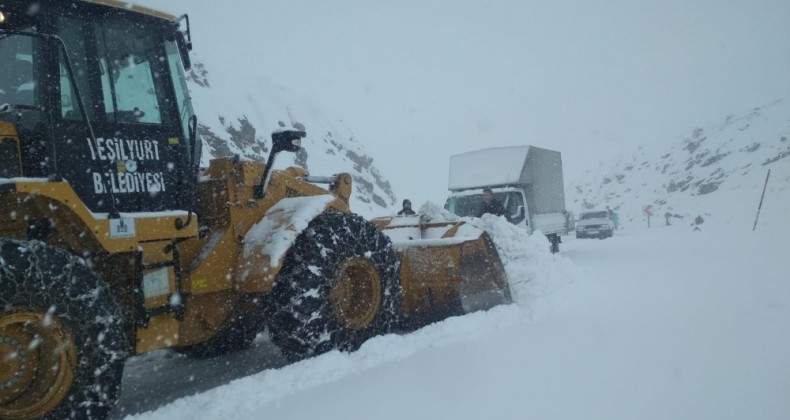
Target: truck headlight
x=2, y=17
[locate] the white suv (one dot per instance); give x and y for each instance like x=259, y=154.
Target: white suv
x=594, y=224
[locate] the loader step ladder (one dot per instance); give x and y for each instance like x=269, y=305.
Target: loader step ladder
x=175, y=300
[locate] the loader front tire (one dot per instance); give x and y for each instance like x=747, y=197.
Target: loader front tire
x=62, y=341
x=339, y=286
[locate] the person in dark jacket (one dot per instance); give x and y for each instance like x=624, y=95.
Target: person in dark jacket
x=406, y=210
x=490, y=204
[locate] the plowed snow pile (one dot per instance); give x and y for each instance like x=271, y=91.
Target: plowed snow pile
x=651, y=324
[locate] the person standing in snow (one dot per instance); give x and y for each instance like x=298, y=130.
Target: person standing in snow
x=490, y=204
x=406, y=210
x=613, y=217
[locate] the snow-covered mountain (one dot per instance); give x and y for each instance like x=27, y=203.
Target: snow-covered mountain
x=238, y=112
x=716, y=172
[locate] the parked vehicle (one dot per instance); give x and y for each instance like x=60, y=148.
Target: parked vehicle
x=594, y=224
x=526, y=180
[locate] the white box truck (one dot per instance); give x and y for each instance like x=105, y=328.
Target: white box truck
x=526, y=180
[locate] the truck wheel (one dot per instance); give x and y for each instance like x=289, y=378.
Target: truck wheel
x=555, y=243
x=62, y=340
x=339, y=285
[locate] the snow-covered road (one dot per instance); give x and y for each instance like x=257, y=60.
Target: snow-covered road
x=651, y=324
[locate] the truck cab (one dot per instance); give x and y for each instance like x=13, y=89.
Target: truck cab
x=526, y=180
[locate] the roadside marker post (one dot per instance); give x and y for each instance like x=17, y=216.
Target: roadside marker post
x=761, y=201
x=648, y=211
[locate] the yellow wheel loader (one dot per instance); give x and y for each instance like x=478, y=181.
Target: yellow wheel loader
x=114, y=242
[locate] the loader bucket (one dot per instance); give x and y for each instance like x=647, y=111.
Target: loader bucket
x=447, y=269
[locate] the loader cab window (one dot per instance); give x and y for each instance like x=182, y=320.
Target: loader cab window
x=17, y=86
x=180, y=84
x=129, y=65
x=131, y=69
x=22, y=70
x=72, y=31
x=20, y=62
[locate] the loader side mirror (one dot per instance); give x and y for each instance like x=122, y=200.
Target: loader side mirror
x=282, y=141
x=287, y=141
x=519, y=212
x=183, y=40
x=518, y=216
x=183, y=49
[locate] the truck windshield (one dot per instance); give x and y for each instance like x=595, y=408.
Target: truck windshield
x=472, y=205
x=465, y=206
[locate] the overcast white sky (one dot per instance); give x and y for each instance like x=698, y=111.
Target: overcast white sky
x=419, y=80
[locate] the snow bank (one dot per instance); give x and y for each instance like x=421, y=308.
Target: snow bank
x=534, y=274
x=649, y=324
x=533, y=271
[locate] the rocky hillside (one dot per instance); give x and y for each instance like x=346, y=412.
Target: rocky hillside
x=715, y=173
x=237, y=114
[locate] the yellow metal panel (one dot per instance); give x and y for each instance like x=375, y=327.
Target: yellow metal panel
x=206, y=314
x=7, y=129
x=429, y=278
x=342, y=187
x=133, y=7
x=154, y=252
x=147, y=228
x=8, y=133
x=162, y=332
x=215, y=270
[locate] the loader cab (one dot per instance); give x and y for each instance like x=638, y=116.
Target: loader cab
x=97, y=94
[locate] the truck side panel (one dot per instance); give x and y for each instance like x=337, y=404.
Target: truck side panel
x=542, y=176
x=549, y=223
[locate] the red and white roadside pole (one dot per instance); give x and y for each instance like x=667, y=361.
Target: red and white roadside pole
x=648, y=211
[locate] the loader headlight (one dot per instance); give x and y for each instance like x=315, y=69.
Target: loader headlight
x=2, y=17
